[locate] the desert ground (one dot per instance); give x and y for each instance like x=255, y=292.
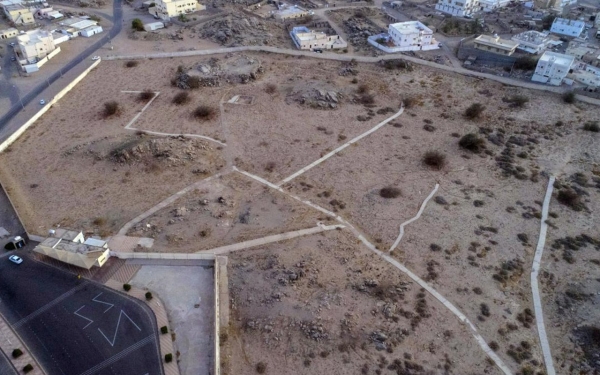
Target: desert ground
x=330, y=302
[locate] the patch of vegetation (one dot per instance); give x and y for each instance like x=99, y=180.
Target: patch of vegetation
x=168, y=357
x=434, y=159
x=164, y=330
x=472, y=142
x=126, y=287
x=261, y=367
x=131, y=64
x=569, y=97
x=526, y=63
x=511, y=270
x=518, y=101
x=204, y=113
x=474, y=111
x=28, y=368
x=570, y=198
x=181, y=98
x=397, y=64
x=137, y=24
x=17, y=353
x=526, y=317
x=111, y=108
x=145, y=95
x=520, y=353
x=271, y=88
x=148, y=296
x=591, y=126
x=390, y=192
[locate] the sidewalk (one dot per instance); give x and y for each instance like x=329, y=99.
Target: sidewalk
x=10, y=341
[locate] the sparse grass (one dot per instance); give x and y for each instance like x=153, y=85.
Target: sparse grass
x=271, y=88
x=474, y=111
x=434, y=159
x=181, y=98
x=204, y=113
x=131, y=64
x=592, y=126
x=472, y=143
x=145, y=95
x=111, y=108
x=569, y=97
x=390, y=192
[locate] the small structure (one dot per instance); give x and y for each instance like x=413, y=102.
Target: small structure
x=166, y=9
x=459, y=8
x=71, y=247
x=552, y=68
x=407, y=36
x=532, y=41
x=48, y=13
x=289, y=12
x=492, y=5
x=91, y=30
x=306, y=39
x=496, y=45
x=154, y=26
x=59, y=38
x=563, y=26
x=8, y=33
x=76, y=26
x=17, y=12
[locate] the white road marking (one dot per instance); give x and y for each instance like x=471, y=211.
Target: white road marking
x=84, y=317
x=106, y=303
x=112, y=343
x=122, y=354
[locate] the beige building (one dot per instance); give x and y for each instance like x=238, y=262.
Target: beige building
x=8, y=33
x=290, y=12
x=495, y=45
x=71, y=247
x=166, y=9
x=16, y=12
x=35, y=44
x=306, y=39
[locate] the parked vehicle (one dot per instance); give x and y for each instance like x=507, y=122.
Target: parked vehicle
x=15, y=259
x=96, y=58
x=42, y=102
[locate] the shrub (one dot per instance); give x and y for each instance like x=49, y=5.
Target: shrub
x=474, y=111
x=194, y=82
x=592, y=126
x=570, y=198
x=367, y=99
x=569, y=97
x=111, y=108
x=145, y=95
x=99, y=221
x=168, y=357
x=271, y=88
x=137, y=24
x=204, y=113
x=390, y=192
x=131, y=64
x=409, y=102
x=164, y=330
x=517, y=101
x=28, y=367
x=525, y=63
x=434, y=159
x=148, y=296
x=472, y=143
x=17, y=353
x=181, y=98
x=362, y=88
x=261, y=367
x=127, y=287
x=494, y=345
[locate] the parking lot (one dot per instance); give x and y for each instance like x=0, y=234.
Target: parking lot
x=76, y=327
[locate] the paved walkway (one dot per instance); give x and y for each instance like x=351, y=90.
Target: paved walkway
x=166, y=342
x=10, y=341
x=535, y=268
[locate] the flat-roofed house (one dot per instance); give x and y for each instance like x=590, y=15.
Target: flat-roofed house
x=71, y=247
x=495, y=44
x=552, y=68
x=306, y=39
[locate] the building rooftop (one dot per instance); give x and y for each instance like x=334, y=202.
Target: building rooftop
x=558, y=58
x=531, y=37
x=292, y=9
x=33, y=36
x=304, y=34
x=410, y=27
x=65, y=234
x=495, y=41
x=78, y=23
x=568, y=22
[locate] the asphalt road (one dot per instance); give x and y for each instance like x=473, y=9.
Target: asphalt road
x=25, y=99
x=77, y=327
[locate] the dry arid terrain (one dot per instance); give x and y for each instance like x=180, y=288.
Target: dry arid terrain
x=326, y=303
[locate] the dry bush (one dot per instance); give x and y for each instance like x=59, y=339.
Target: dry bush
x=111, y=108
x=131, y=64
x=366, y=99
x=261, y=367
x=474, y=111
x=362, y=88
x=99, y=221
x=592, y=126
x=390, y=192
x=570, y=198
x=181, y=98
x=271, y=88
x=204, y=113
x=472, y=143
x=518, y=101
x=409, y=102
x=194, y=82
x=569, y=97
x=145, y=95
x=434, y=159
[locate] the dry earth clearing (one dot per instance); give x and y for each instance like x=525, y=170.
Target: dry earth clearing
x=474, y=243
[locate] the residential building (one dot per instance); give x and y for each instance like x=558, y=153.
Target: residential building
x=307, y=39
x=59, y=38
x=48, y=13
x=91, y=30
x=459, y=8
x=552, y=68
x=71, y=247
x=563, y=26
x=491, y=5
x=167, y=9
x=8, y=33
x=589, y=79
x=495, y=44
x=582, y=51
x=411, y=36
x=17, y=12
x=289, y=12
x=35, y=44
x=532, y=41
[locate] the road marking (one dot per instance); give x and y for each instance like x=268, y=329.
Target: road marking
x=122, y=354
x=112, y=343
x=81, y=316
x=106, y=303
x=48, y=306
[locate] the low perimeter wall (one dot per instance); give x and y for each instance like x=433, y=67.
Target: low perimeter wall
x=45, y=108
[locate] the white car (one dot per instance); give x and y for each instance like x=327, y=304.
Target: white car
x=96, y=58
x=15, y=259
x=42, y=102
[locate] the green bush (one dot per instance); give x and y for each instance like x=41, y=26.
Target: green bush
x=148, y=296
x=127, y=287
x=168, y=357
x=164, y=330
x=17, y=353
x=27, y=368
x=137, y=24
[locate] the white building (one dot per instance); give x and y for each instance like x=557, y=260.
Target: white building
x=91, y=30
x=153, y=26
x=306, y=39
x=491, y=5
x=166, y=9
x=76, y=26
x=290, y=12
x=552, y=68
x=495, y=44
x=35, y=44
x=567, y=27
x=412, y=36
x=72, y=248
x=8, y=33
x=459, y=8
x=532, y=41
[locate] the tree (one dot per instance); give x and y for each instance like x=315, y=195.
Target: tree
x=137, y=24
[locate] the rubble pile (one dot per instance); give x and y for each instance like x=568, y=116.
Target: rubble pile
x=214, y=72
x=236, y=30
x=316, y=98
